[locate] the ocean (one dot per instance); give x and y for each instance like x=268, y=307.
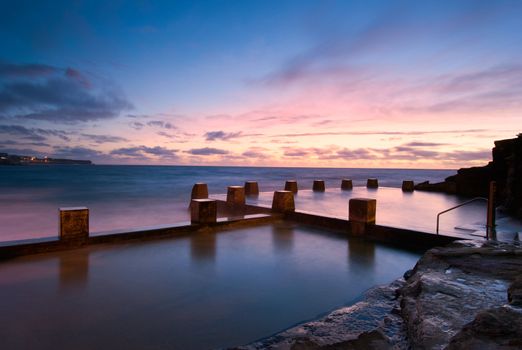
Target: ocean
x=120, y=197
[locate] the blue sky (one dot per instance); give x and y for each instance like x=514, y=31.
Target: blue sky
x=304, y=83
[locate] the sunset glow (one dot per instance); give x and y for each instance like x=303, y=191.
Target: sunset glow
x=399, y=84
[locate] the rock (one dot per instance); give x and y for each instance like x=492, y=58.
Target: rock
x=373, y=340
x=505, y=169
x=407, y=274
x=451, y=286
x=498, y=328
x=449, y=187
x=515, y=292
x=368, y=324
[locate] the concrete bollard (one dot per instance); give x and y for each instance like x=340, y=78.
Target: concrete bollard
x=251, y=188
x=283, y=201
x=372, y=183
x=408, y=186
x=203, y=211
x=236, y=195
x=291, y=185
x=361, y=214
x=199, y=191
x=346, y=184
x=318, y=186
x=74, y=224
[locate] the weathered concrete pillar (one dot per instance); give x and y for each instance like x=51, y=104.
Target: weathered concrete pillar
x=291, y=185
x=318, y=186
x=283, y=201
x=199, y=191
x=251, y=188
x=346, y=184
x=372, y=183
x=236, y=195
x=203, y=211
x=74, y=224
x=361, y=214
x=408, y=186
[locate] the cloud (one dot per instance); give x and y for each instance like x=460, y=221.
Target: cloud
x=138, y=116
x=33, y=134
x=358, y=153
x=221, y=135
x=394, y=29
x=469, y=155
x=144, y=152
x=255, y=152
x=60, y=95
x=77, y=153
x=413, y=153
x=383, y=132
x=296, y=153
x=423, y=144
x=8, y=70
x=207, y=151
x=161, y=124
x=22, y=152
x=136, y=125
x=18, y=143
x=104, y=138
x=399, y=153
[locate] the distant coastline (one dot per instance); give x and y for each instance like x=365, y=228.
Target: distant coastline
x=13, y=159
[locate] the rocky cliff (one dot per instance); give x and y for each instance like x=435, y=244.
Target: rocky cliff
x=505, y=169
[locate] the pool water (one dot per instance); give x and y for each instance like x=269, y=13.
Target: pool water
x=208, y=290
x=409, y=210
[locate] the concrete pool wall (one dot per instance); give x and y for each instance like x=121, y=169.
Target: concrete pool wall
x=234, y=210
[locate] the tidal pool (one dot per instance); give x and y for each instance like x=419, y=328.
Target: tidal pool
x=208, y=290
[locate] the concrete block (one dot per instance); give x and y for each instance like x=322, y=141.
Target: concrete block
x=251, y=188
x=199, y=191
x=203, y=211
x=372, y=183
x=408, y=186
x=361, y=214
x=74, y=224
x=283, y=201
x=346, y=184
x=318, y=186
x=291, y=185
x=362, y=210
x=236, y=195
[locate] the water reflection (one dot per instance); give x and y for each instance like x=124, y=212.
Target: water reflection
x=74, y=269
x=203, y=247
x=183, y=293
x=361, y=254
x=283, y=237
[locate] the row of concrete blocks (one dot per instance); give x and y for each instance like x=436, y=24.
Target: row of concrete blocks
x=361, y=211
x=74, y=222
x=200, y=190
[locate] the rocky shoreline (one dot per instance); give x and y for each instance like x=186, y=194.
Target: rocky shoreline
x=467, y=295
x=505, y=169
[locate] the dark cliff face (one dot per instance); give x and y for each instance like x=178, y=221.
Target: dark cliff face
x=505, y=169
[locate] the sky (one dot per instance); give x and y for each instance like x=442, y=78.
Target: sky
x=388, y=84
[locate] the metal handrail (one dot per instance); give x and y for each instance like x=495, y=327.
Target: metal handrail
x=458, y=206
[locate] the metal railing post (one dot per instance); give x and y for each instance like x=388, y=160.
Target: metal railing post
x=490, y=224
x=458, y=206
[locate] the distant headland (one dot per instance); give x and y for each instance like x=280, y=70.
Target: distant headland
x=12, y=159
